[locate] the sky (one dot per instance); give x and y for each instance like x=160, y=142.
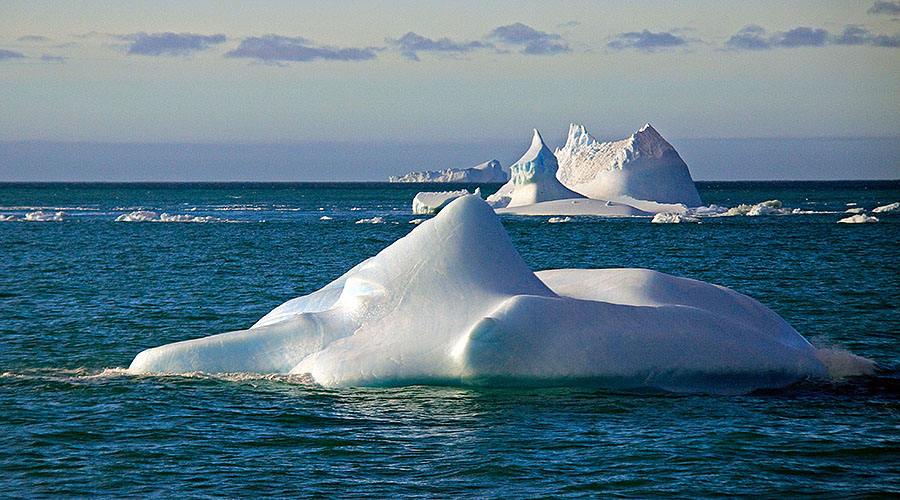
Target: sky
x=429, y=72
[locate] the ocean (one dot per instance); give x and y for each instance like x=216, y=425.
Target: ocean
x=82, y=295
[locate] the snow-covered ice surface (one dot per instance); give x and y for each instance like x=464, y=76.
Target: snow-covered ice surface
x=892, y=207
x=489, y=171
x=858, y=219
x=642, y=167
x=430, y=202
x=452, y=302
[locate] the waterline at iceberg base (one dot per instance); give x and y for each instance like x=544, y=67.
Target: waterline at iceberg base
x=453, y=303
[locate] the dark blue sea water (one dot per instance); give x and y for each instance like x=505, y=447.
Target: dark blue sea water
x=81, y=296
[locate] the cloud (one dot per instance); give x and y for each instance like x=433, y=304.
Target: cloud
x=8, y=54
x=169, y=44
x=411, y=43
x=801, y=37
x=753, y=37
x=892, y=8
x=33, y=38
x=853, y=35
x=750, y=37
x=275, y=48
x=886, y=41
x=532, y=41
x=52, y=59
x=646, y=40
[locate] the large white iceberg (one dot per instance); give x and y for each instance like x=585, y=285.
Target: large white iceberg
x=489, y=171
x=453, y=303
x=641, y=167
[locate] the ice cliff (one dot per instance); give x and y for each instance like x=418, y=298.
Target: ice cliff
x=490, y=171
x=452, y=302
x=641, y=167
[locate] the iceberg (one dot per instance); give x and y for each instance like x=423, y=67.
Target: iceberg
x=489, y=171
x=453, y=303
x=533, y=180
x=641, y=167
x=431, y=202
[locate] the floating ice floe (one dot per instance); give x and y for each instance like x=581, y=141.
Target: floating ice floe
x=858, y=219
x=887, y=208
x=325, y=217
x=857, y=210
x=373, y=220
x=42, y=216
x=417, y=221
x=453, y=303
x=669, y=218
x=770, y=207
x=150, y=216
x=558, y=220
x=431, y=202
x=489, y=171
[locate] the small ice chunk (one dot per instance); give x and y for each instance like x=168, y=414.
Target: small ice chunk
x=856, y=210
x=431, y=202
x=42, y=216
x=324, y=217
x=417, y=221
x=887, y=208
x=858, y=219
x=672, y=219
x=557, y=220
x=373, y=220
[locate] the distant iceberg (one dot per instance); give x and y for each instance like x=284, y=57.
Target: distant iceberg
x=641, y=167
x=452, y=302
x=489, y=171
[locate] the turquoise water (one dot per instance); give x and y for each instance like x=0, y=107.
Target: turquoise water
x=81, y=296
